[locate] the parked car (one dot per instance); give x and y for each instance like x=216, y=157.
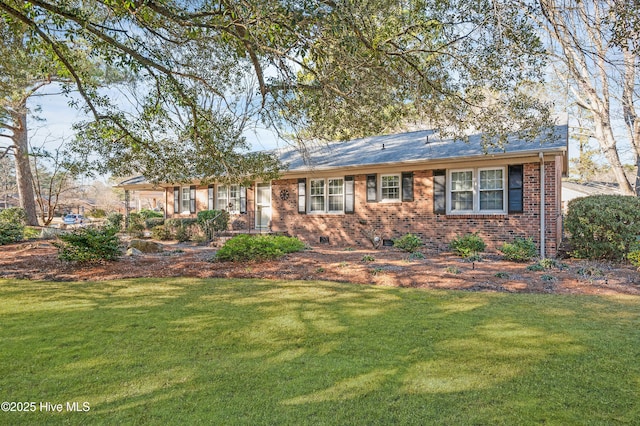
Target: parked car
x=74, y=219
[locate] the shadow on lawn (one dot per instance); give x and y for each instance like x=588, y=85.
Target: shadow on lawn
x=282, y=352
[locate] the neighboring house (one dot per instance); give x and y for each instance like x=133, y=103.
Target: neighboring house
x=388, y=186
x=572, y=190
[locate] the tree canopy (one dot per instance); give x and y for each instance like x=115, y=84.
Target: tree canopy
x=203, y=71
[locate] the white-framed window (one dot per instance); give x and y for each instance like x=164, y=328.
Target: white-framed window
x=316, y=195
x=390, y=188
x=336, y=195
x=229, y=198
x=185, y=199
x=326, y=195
x=477, y=190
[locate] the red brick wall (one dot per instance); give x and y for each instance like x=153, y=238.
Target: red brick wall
x=392, y=220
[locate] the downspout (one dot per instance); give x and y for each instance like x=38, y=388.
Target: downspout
x=542, y=210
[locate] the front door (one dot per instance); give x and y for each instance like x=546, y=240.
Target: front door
x=263, y=205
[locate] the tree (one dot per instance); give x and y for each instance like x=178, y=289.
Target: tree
x=318, y=67
x=601, y=64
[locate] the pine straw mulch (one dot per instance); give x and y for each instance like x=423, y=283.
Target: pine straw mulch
x=37, y=260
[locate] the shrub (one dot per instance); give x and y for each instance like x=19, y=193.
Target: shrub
x=115, y=220
x=520, y=250
x=603, y=226
x=148, y=214
x=89, y=244
x=408, y=242
x=212, y=221
x=181, y=228
x=152, y=222
x=14, y=215
x=161, y=232
x=468, y=245
x=258, y=247
x=136, y=225
x=11, y=232
x=97, y=213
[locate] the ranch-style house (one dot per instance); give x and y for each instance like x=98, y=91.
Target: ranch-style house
x=348, y=193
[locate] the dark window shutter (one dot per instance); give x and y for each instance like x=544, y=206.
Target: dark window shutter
x=407, y=186
x=349, y=195
x=176, y=199
x=302, y=195
x=243, y=199
x=372, y=188
x=516, y=203
x=210, y=198
x=439, y=191
x=192, y=199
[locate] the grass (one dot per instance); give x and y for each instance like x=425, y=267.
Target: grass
x=188, y=351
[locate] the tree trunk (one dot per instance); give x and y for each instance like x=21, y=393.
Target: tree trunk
x=24, y=177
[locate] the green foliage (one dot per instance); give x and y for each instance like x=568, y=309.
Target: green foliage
x=161, y=232
x=603, y=226
x=634, y=257
x=536, y=267
x=521, y=250
x=468, y=245
x=148, y=214
x=181, y=228
x=14, y=215
x=258, y=247
x=11, y=232
x=452, y=270
x=416, y=255
x=152, y=222
x=136, y=225
x=88, y=245
x=408, y=242
x=368, y=258
x=12, y=225
x=32, y=232
x=212, y=221
x=504, y=275
x=115, y=220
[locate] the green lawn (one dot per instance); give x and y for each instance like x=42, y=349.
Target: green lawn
x=188, y=351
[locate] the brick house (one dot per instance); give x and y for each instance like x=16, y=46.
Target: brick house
x=386, y=186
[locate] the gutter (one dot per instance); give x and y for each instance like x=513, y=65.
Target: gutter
x=542, y=209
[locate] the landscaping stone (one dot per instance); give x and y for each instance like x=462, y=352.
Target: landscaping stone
x=134, y=252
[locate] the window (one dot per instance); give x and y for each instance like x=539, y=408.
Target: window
x=390, y=187
x=477, y=191
x=327, y=195
x=316, y=195
x=210, y=199
x=185, y=198
x=232, y=198
x=336, y=195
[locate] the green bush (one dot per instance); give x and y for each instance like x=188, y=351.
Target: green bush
x=408, y=242
x=136, y=225
x=97, y=213
x=520, y=250
x=161, y=232
x=212, y=221
x=148, y=214
x=603, y=226
x=14, y=215
x=11, y=232
x=181, y=228
x=89, y=244
x=468, y=245
x=115, y=220
x=258, y=247
x=152, y=222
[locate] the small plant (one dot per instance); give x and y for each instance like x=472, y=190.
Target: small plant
x=161, y=233
x=11, y=232
x=87, y=245
x=152, y=222
x=590, y=272
x=452, y=270
x=547, y=278
x=212, y=221
x=468, y=245
x=408, y=242
x=320, y=270
x=501, y=275
x=349, y=249
x=343, y=264
x=520, y=250
x=376, y=271
x=634, y=257
x=368, y=258
x=15, y=215
x=536, y=267
x=258, y=247
x=416, y=255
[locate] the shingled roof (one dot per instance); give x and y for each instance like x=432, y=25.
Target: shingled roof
x=419, y=146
